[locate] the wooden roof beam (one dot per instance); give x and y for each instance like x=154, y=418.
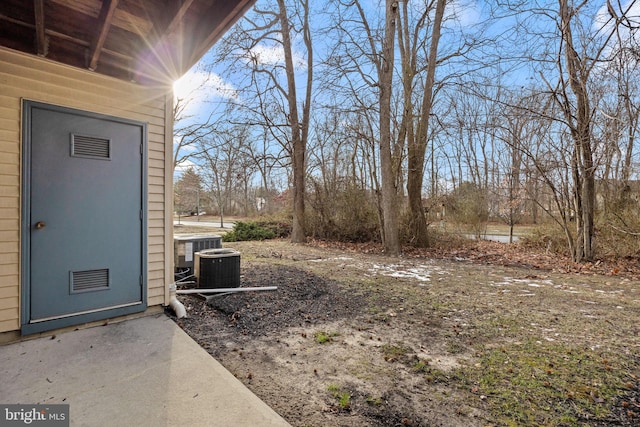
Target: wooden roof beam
x=104, y=23
x=177, y=17
x=41, y=38
x=171, y=55
x=160, y=59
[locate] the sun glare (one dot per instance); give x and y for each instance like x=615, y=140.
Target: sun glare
x=183, y=86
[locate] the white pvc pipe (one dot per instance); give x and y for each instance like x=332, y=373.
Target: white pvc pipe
x=176, y=306
x=225, y=290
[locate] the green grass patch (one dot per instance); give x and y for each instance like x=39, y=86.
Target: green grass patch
x=322, y=337
x=373, y=400
x=395, y=352
x=455, y=347
x=420, y=365
x=343, y=397
x=548, y=384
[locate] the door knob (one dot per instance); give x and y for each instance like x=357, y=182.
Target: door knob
x=40, y=225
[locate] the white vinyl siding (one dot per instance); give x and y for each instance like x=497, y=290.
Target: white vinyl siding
x=27, y=77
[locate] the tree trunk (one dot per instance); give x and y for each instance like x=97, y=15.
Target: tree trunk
x=581, y=134
x=417, y=147
x=298, y=233
x=389, y=190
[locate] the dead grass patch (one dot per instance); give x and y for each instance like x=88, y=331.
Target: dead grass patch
x=423, y=341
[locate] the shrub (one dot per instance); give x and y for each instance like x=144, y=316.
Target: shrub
x=345, y=214
x=445, y=239
x=613, y=237
x=280, y=227
x=248, y=231
x=617, y=234
x=470, y=207
x=548, y=237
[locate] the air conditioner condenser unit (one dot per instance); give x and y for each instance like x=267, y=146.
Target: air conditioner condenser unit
x=217, y=268
x=185, y=247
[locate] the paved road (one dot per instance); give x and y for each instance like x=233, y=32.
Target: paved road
x=493, y=237
x=214, y=224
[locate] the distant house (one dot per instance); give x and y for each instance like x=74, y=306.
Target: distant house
x=86, y=153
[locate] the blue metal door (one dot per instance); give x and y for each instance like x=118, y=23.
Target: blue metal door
x=86, y=219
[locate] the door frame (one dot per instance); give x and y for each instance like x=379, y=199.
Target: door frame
x=27, y=327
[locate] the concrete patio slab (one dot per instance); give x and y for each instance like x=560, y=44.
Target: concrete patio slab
x=140, y=372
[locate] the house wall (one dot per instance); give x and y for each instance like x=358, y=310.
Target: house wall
x=28, y=77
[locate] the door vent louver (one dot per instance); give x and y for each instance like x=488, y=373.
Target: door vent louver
x=89, y=280
x=90, y=147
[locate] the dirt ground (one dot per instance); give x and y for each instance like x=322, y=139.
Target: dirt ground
x=351, y=338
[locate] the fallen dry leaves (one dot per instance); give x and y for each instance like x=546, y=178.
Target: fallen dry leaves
x=513, y=255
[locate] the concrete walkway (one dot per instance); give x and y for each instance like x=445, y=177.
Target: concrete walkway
x=140, y=372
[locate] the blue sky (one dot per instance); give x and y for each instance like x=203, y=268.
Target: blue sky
x=205, y=89
x=467, y=13
x=197, y=80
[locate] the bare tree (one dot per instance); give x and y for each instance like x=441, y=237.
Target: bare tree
x=224, y=167
x=410, y=43
x=263, y=159
x=361, y=67
x=568, y=47
x=193, y=122
x=620, y=110
x=534, y=136
x=519, y=130
x=389, y=190
x=270, y=92
x=299, y=125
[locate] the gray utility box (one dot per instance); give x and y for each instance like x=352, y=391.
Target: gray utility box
x=185, y=247
x=218, y=268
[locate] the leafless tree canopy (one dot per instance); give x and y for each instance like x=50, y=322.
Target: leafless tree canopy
x=514, y=111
